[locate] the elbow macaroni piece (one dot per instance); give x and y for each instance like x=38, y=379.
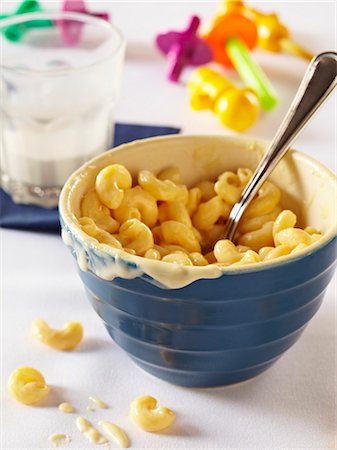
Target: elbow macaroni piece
x=110, y=184
x=266, y=201
x=286, y=219
x=247, y=225
x=198, y=259
x=210, y=212
x=153, y=253
x=276, y=252
x=249, y=257
x=311, y=230
x=193, y=200
x=136, y=235
x=180, y=258
x=207, y=190
x=263, y=252
x=164, y=190
x=131, y=251
x=298, y=248
x=102, y=236
x=137, y=204
x=225, y=252
x=162, y=220
x=176, y=211
x=150, y=417
x=229, y=187
x=263, y=237
x=244, y=175
x=92, y=207
x=180, y=234
x=171, y=173
x=242, y=248
x=171, y=248
x=27, y=385
x=295, y=236
x=66, y=339
x=161, y=250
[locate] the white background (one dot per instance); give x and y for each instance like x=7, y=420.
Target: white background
x=290, y=406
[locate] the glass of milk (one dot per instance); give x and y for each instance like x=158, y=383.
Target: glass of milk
x=57, y=101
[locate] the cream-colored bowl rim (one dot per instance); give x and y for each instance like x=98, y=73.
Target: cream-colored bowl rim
x=72, y=224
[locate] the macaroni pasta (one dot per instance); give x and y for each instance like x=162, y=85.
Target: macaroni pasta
x=161, y=219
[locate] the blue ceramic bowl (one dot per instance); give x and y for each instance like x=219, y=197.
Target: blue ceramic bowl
x=203, y=326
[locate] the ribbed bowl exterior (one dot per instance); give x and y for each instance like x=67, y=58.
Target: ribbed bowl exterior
x=214, y=332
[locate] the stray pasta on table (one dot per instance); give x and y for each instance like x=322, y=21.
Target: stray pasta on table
x=158, y=217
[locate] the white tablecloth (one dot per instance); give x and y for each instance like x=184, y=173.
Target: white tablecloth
x=290, y=406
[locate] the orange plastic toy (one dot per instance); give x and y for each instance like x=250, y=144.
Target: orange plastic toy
x=231, y=38
x=273, y=35
x=232, y=25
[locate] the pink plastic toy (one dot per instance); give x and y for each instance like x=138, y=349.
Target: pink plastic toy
x=71, y=29
x=184, y=49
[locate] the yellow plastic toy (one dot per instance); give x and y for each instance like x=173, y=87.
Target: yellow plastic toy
x=273, y=35
x=237, y=108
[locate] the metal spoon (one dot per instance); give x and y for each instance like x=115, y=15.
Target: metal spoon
x=318, y=83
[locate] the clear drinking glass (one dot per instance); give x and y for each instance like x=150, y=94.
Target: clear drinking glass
x=57, y=100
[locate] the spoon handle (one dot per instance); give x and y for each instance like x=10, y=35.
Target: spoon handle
x=319, y=81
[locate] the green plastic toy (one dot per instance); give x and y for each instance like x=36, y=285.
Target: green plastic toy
x=251, y=73
x=15, y=32
x=231, y=38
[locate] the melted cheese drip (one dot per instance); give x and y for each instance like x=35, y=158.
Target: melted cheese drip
x=58, y=439
x=116, y=433
x=66, y=237
x=93, y=435
x=66, y=407
x=98, y=402
x=170, y=276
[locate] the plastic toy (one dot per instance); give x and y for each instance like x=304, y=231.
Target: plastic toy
x=230, y=38
x=71, y=30
x=273, y=35
x=183, y=49
x=15, y=32
x=236, y=108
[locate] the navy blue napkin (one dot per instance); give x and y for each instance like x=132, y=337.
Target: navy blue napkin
x=34, y=218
